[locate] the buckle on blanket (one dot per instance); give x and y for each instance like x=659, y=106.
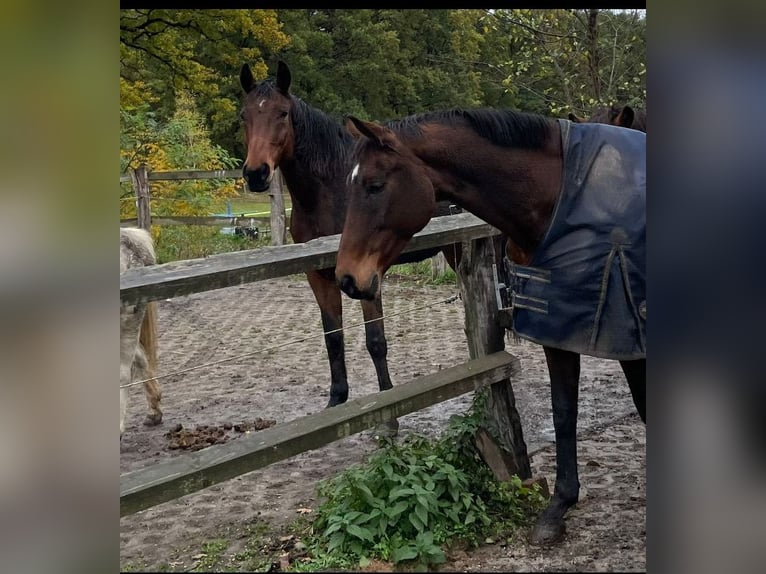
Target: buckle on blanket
x=507, y=292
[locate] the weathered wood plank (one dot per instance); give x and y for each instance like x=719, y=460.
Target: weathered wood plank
x=486, y=336
x=228, y=269
x=141, y=188
x=277, y=221
x=189, y=473
x=195, y=174
x=219, y=220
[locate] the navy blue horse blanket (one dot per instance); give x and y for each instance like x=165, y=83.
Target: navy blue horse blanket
x=585, y=288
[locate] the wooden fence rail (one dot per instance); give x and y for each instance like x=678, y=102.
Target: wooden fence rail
x=228, y=269
x=489, y=365
x=191, y=472
x=141, y=176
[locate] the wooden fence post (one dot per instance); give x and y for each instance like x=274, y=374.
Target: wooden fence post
x=141, y=187
x=278, y=231
x=502, y=443
x=438, y=265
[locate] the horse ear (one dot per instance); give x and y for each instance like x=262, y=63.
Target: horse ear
x=246, y=78
x=625, y=117
x=574, y=118
x=283, y=77
x=351, y=128
x=369, y=129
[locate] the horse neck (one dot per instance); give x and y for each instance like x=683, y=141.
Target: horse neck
x=316, y=182
x=513, y=189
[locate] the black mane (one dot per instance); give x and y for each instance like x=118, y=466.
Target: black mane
x=503, y=127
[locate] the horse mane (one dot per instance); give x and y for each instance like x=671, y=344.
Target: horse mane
x=501, y=126
x=321, y=142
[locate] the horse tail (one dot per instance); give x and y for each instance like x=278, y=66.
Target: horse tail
x=148, y=336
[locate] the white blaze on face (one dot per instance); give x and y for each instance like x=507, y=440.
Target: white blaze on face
x=260, y=104
x=355, y=172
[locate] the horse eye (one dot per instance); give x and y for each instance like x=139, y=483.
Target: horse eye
x=375, y=187
x=282, y=115
x=242, y=115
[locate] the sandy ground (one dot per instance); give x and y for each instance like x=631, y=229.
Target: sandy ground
x=606, y=530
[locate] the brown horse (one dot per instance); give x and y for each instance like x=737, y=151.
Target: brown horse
x=625, y=117
x=570, y=196
x=313, y=152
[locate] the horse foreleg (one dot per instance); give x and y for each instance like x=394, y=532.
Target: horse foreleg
x=153, y=396
x=378, y=349
x=327, y=295
x=635, y=372
x=376, y=340
x=148, y=341
x=564, y=369
x=130, y=326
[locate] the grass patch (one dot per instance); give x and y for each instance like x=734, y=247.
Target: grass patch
x=421, y=273
x=210, y=556
x=250, y=203
x=180, y=242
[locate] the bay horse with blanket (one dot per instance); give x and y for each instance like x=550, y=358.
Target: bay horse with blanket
x=313, y=151
x=570, y=196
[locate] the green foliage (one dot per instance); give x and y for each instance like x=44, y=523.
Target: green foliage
x=181, y=143
x=571, y=60
x=421, y=272
x=180, y=242
x=381, y=63
x=170, y=50
x=411, y=499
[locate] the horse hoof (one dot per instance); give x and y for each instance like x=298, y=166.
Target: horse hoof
x=547, y=532
x=153, y=420
x=335, y=401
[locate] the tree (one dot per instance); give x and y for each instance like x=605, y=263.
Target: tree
x=183, y=142
x=572, y=60
x=200, y=51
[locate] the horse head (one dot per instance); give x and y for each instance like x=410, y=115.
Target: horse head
x=391, y=198
x=269, y=132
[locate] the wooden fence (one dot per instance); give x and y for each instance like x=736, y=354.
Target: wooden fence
x=489, y=365
x=141, y=178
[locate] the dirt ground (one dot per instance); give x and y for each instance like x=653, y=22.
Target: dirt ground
x=605, y=531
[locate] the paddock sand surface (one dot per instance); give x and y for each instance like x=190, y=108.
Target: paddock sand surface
x=605, y=531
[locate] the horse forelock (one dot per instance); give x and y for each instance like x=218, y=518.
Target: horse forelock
x=501, y=126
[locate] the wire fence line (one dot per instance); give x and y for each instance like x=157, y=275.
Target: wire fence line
x=446, y=300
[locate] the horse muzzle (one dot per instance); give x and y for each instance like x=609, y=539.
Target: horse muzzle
x=349, y=286
x=259, y=179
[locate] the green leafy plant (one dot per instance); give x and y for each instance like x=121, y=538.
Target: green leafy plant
x=410, y=500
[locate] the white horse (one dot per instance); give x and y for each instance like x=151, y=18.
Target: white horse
x=138, y=331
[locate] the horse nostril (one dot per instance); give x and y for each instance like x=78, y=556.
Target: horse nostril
x=347, y=284
x=257, y=179
x=263, y=171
